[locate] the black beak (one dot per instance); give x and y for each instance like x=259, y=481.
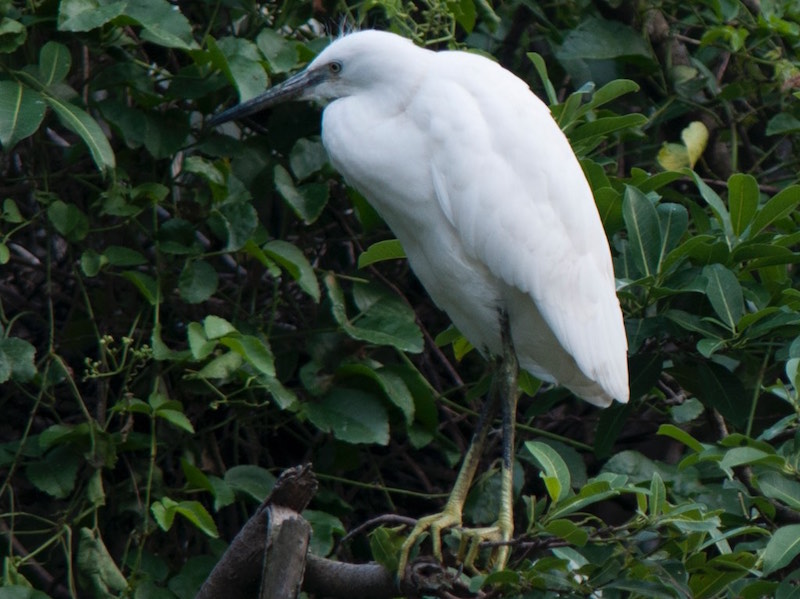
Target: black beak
x=291, y=89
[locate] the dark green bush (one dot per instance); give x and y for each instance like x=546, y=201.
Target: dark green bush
x=186, y=312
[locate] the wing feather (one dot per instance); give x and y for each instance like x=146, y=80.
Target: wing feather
x=507, y=179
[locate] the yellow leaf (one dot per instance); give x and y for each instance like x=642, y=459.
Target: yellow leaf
x=673, y=157
x=695, y=137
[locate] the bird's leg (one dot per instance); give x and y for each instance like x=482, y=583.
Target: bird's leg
x=509, y=393
x=504, y=389
x=451, y=515
x=507, y=390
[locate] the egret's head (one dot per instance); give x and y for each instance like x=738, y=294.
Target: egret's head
x=358, y=62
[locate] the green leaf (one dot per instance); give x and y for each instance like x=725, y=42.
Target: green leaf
x=146, y=285
x=391, y=383
x=12, y=34
x=776, y=486
x=351, y=415
x=386, y=320
x=307, y=201
x=658, y=496
x=606, y=125
x=97, y=566
x=742, y=200
x=749, y=456
x=715, y=203
x=385, y=544
x=54, y=63
x=239, y=220
x=21, y=113
x=716, y=387
x=782, y=548
x=324, y=527
x=197, y=282
x=162, y=23
x=465, y=13
x=85, y=15
x=254, y=350
x=782, y=123
x=56, y=473
x=221, y=491
x=644, y=230
x=569, y=531
x=594, y=492
x=307, y=157
x=117, y=255
x=389, y=249
x=199, y=344
x=239, y=60
x=221, y=367
x=725, y=294
x=611, y=91
x=177, y=419
x=164, y=512
x=11, y=213
x=600, y=39
x=83, y=125
x=17, y=360
x=687, y=411
x=611, y=422
x=777, y=207
x=673, y=219
x=281, y=53
x=254, y=481
x=541, y=68
x=216, y=327
x=554, y=470
x=68, y=220
x=681, y=436
x=291, y=258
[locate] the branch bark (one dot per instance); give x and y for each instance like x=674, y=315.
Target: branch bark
x=269, y=557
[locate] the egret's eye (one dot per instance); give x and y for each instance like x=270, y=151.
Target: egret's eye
x=335, y=67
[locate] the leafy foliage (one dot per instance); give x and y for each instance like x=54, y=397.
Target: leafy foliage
x=185, y=312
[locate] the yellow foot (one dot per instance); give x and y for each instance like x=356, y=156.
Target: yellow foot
x=436, y=523
x=471, y=539
x=470, y=543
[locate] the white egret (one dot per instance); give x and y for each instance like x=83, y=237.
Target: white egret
x=474, y=177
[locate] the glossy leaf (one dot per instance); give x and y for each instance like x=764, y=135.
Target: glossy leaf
x=725, y=294
x=777, y=486
x=658, y=496
x=384, y=321
x=254, y=350
x=390, y=249
x=777, y=207
x=743, y=200
x=351, y=415
x=644, y=232
x=21, y=113
x=290, y=257
x=12, y=34
x=307, y=200
x=554, y=471
x=197, y=282
x=239, y=60
x=782, y=548
x=673, y=219
x=54, y=63
x=251, y=480
x=78, y=121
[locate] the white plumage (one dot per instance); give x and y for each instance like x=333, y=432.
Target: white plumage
x=481, y=187
x=479, y=184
